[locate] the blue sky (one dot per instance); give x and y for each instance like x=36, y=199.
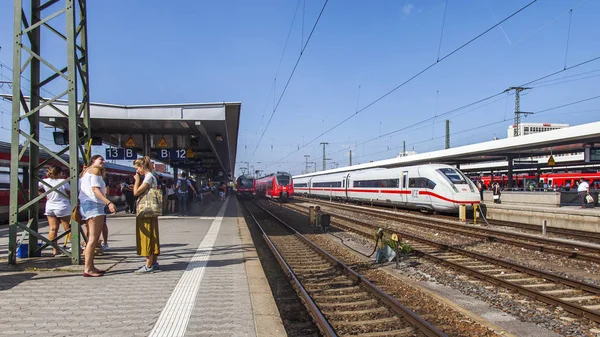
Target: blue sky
x=204, y=51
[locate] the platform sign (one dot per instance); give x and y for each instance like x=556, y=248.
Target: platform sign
x=189, y=153
x=162, y=143
x=120, y=154
x=551, y=161
x=130, y=142
x=178, y=154
x=591, y=155
x=164, y=154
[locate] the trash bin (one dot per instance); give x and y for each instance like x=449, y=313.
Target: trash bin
x=23, y=251
x=325, y=221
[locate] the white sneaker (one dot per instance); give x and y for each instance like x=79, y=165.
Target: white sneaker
x=105, y=246
x=144, y=270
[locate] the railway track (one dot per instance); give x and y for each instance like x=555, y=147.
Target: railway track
x=340, y=301
x=579, y=298
x=586, y=236
x=580, y=251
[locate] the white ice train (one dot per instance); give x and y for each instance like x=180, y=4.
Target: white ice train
x=430, y=187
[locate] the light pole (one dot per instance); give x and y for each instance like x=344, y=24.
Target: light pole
x=306, y=156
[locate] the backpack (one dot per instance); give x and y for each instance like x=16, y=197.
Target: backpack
x=183, y=186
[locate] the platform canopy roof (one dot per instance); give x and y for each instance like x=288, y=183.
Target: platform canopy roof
x=210, y=130
x=567, y=140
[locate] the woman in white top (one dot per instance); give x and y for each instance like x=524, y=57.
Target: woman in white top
x=92, y=199
x=58, y=207
x=171, y=197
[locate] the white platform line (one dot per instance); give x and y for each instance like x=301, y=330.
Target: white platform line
x=175, y=316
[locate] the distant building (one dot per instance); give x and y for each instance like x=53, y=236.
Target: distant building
x=407, y=153
x=530, y=128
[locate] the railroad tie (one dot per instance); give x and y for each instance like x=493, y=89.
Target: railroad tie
x=580, y=298
x=348, y=304
x=541, y=285
x=559, y=291
x=408, y=331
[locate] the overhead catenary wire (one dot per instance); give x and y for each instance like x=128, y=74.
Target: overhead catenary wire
x=290, y=77
x=473, y=103
x=487, y=124
x=417, y=74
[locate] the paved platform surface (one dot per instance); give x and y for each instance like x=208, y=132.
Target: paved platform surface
x=202, y=289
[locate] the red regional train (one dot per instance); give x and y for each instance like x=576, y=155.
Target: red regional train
x=115, y=175
x=276, y=186
x=245, y=186
x=560, y=180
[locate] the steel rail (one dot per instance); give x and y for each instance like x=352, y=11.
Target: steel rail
x=573, y=308
x=424, y=327
x=317, y=315
x=554, y=230
x=492, y=235
x=502, y=223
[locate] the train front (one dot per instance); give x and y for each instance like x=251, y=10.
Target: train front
x=285, y=186
x=460, y=190
x=245, y=187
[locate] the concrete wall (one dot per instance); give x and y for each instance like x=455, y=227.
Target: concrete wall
x=570, y=218
x=540, y=199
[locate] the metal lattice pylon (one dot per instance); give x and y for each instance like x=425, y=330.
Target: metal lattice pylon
x=28, y=56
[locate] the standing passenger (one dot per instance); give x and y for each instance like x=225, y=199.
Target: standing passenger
x=58, y=207
x=582, y=191
x=481, y=188
x=171, y=197
x=146, y=234
x=183, y=184
x=496, y=193
x=92, y=198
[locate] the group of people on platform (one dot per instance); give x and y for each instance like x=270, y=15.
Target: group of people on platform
x=176, y=195
x=582, y=187
x=94, y=206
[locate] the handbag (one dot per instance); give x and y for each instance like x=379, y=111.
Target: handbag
x=496, y=196
x=589, y=199
x=150, y=204
x=76, y=214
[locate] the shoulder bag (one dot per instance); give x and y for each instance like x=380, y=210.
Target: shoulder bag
x=150, y=204
x=76, y=214
x=589, y=199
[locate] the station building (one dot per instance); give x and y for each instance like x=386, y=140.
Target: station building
x=531, y=128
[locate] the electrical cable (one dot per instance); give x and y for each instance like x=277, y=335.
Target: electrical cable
x=357, y=251
x=417, y=75
x=290, y=78
x=471, y=104
x=492, y=123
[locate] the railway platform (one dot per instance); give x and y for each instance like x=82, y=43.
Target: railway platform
x=210, y=283
x=568, y=217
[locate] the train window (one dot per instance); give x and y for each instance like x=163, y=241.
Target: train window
x=270, y=184
x=283, y=179
x=328, y=184
x=343, y=183
x=246, y=183
x=380, y=183
x=452, y=175
x=300, y=185
x=421, y=183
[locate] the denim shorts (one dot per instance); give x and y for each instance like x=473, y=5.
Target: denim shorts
x=90, y=209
